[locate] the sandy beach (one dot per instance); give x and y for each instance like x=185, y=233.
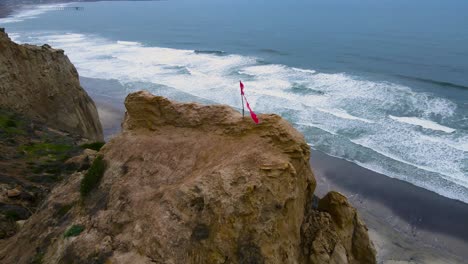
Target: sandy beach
x=109, y=102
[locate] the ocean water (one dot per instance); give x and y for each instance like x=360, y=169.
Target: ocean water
x=383, y=84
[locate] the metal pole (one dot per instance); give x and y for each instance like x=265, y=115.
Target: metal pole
x=242, y=97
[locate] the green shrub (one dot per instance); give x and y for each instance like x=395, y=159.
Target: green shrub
x=93, y=176
x=38, y=258
x=10, y=123
x=94, y=146
x=46, y=148
x=12, y=215
x=74, y=230
x=64, y=209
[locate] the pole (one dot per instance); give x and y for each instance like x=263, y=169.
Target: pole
x=242, y=97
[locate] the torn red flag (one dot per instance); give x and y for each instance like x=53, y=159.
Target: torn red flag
x=252, y=114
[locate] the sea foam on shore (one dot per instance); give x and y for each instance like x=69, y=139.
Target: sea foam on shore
x=382, y=126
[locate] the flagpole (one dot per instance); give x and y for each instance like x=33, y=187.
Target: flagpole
x=242, y=97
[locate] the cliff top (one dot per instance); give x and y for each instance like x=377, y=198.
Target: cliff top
x=188, y=183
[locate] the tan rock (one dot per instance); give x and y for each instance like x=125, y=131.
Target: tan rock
x=41, y=83
x=187, y=183
x=351, y=230
x=91, y=153
x=13, y=193
x=20, y=223
x=82, y=161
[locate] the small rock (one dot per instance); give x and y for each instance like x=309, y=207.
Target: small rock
x=20, y=223
x=13, y=193
x=90, y=153
x=83, y=161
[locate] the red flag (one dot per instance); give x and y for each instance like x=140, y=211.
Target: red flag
x=252, y=114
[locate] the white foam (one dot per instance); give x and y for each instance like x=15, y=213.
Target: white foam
x=460, y=144
x=30, y=12
x=316, y=125
x=128, y=43
x=343, y=114
x=447, y=168
x=304, y=70
x=423, y=123
x=347, y=107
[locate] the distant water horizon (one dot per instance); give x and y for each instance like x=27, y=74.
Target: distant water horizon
x=383, y=85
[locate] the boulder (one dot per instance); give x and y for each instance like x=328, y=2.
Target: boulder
x=82, y=161
x=335, y=234
x=13, y=193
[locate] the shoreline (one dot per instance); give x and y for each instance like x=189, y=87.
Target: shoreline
x=407, y=224
x=8, y=8
x=109, y=103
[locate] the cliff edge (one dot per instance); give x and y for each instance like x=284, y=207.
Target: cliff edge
x=42, y=84
x=187, y=183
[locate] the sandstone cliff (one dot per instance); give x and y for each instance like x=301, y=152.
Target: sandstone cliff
x=41, y=83
x=186, y=183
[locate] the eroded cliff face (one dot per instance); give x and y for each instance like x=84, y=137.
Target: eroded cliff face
x=186, y=183
x=42, y=84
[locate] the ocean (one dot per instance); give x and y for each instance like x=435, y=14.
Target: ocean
x=383, y=84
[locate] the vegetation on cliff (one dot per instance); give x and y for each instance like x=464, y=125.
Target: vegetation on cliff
x=32, y=161
x=92, y=176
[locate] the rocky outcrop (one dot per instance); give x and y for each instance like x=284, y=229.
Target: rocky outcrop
x=42, y=84
x=334, y=233
x=186, y=183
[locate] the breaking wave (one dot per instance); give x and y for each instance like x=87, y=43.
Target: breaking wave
x=409, y=135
